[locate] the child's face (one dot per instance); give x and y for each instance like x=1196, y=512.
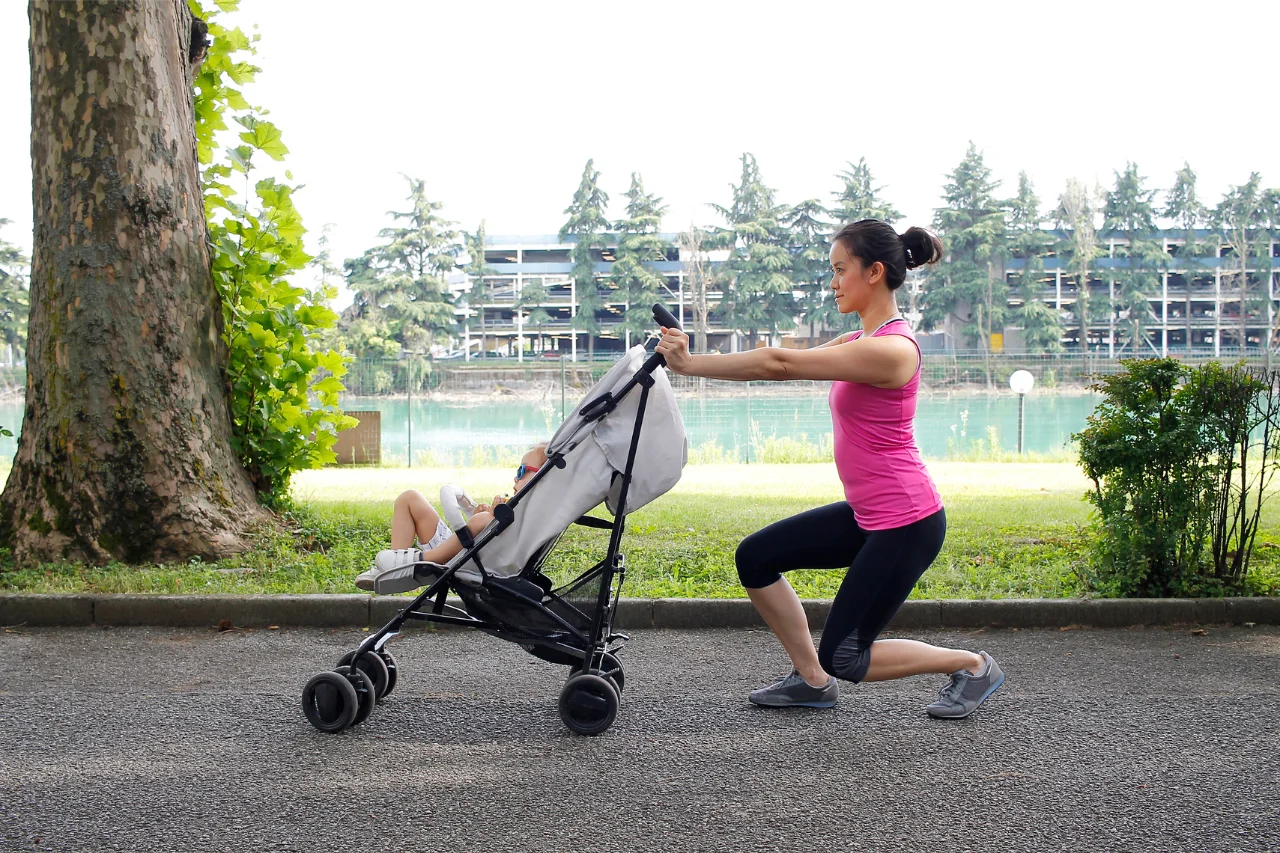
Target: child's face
x=530, y=463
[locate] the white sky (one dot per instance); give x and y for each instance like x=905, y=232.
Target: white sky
x=499, y=105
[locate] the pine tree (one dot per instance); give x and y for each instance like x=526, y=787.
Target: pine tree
x=587, y=223
x=476, y=270
x=808, y=244
x=417, y=258
x=639, y=245
x=859, y=198
x=971, y=224
x=758, y=287
x=1183, y=206
x=1130, y=213
x=1041, y=325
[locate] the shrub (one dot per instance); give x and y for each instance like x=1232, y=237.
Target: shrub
x=1180, y=459
x=284, y=392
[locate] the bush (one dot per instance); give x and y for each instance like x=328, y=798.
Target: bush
x=1180, y=459
x=284, y=390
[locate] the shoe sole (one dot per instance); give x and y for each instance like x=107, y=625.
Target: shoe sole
x=981, y=702
x=815, y=704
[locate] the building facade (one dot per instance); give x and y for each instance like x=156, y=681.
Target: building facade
x=1197, y=307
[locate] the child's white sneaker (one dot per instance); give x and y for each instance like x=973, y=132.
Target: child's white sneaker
x=386, y=561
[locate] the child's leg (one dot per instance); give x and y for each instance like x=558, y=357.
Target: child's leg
x=412, y=516
x=449, y=548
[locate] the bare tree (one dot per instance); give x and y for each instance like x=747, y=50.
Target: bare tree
x=698, y=280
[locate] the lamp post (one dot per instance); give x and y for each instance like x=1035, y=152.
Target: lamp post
x=1021, y=382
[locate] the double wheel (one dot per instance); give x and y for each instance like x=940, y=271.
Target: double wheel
x=589, y=700
x=345, y=697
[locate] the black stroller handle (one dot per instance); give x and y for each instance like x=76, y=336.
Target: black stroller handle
x=662, y=317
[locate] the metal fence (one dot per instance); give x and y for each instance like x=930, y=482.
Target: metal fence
x=940, y=370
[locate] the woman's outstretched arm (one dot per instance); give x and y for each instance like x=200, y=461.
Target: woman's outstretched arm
x=888, y=361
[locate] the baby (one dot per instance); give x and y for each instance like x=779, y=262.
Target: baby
x=414, y=518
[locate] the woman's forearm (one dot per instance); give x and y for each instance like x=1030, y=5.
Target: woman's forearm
x=762, y=363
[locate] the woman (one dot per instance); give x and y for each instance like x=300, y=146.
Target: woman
x=891, y=525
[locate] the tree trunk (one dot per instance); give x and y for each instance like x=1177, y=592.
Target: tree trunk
x=125, y=450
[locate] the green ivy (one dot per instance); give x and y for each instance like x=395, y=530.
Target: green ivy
x=284, y=394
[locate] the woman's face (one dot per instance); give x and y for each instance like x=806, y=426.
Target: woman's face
x=851, y=282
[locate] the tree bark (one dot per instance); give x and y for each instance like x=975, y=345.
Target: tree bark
x=125, y=450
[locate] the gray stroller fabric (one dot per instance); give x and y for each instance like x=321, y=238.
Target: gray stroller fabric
x=595, y=455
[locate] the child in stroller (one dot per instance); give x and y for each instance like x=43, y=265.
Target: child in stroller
x=497, y=576
x=414, y=517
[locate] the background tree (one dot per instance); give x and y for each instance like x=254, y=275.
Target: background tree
x=1079, y=247
x=1183, y=206
x=15, y=300
x=1041, y=325
x=587, y=223
x=125, y=450
x=639, y=245
x=1237, y=219
x=1130, y=213
x=419, y=256
x=698, y=278
x=758, y=296
x=968, y=285
x=530, y=303
x=809, y=246
x=476, y=270
x=367, y=322
x=859, y=197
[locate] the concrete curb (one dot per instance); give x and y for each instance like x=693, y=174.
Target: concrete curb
x=335, y=611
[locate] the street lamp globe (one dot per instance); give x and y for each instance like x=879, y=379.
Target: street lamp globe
x=1022, y=381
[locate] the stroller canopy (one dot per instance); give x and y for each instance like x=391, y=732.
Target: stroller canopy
x=595, y=453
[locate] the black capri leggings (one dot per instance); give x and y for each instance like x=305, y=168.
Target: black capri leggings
x=884, y=566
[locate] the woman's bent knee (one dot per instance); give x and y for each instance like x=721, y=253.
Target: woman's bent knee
x=849, y=659
x=752, y=573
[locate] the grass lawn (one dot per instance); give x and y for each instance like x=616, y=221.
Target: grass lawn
x=1013, y=531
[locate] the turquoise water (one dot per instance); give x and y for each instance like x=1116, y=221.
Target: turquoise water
x=451, y=432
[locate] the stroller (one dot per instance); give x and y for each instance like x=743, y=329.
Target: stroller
x=498, y=574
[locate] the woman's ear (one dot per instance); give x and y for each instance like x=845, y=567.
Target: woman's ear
x=877, y=271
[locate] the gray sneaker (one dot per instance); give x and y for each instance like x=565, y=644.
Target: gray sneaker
x=966, y=691
x=792, y=691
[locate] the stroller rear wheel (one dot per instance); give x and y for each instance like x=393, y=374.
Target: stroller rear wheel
x=611, y=668
x=392, y=672
x=588, y=703
x=376, y=667
x=366, y=694
x=329, y=700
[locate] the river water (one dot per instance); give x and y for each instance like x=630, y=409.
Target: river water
x=455, y=432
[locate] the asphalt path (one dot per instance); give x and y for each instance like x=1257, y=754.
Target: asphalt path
x=193, y=740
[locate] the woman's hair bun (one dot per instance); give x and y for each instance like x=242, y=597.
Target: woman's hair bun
x=923, y=247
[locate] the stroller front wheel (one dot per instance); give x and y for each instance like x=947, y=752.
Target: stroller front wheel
x=366, y=693
x=376, y=667
x=329, y=700
x=588, y=703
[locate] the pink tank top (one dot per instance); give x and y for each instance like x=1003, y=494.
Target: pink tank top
x=885, y=480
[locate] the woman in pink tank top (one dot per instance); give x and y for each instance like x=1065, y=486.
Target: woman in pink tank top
x=890, y=526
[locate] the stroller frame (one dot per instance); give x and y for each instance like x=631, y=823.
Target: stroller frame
x=589, y=701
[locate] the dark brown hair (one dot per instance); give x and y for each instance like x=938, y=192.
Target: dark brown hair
x=871, y=240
